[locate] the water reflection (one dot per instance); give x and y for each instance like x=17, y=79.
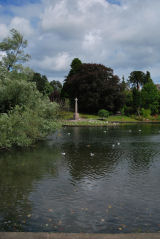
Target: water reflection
x=114, y=190
x=19, y=172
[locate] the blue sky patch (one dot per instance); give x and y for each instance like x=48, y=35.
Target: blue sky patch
x=18, y=2
x=117, y=2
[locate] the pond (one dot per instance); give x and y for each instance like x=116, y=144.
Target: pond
x=84, y=179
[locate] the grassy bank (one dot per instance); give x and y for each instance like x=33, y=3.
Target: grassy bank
x=89, y=123
x=94, y=120
x=85, y=117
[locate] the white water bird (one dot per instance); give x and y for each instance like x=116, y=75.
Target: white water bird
x=104, y=131
x=69, y=133
x=113, y=145
x=63, y=154
x=91, y=154
x=140, y=130
x=130, y=131
x=118, y=143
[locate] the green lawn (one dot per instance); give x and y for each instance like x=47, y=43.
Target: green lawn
x=121, y=119
x=65, y=115
x=113, y=118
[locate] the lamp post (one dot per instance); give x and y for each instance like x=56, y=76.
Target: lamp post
x=76, y=115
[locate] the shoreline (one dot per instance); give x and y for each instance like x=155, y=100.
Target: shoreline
x=95, y=123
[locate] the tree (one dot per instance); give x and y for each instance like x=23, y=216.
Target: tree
x=75, y=66
x=148, y=78
x=14, y=50
x=3, y=72
x=103, y=113
x=96, y=87
x=150, y=97
x=25, y=73
x=137, y=79
x=137, y=100
x=25, y=114
x=57, y=86
x=42, y=84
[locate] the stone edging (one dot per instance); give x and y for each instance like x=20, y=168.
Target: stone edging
x=42, y=235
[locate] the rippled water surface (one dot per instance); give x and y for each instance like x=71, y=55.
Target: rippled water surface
x=115, y=190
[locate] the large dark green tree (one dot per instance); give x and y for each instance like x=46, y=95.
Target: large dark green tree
x=75, y=66
x=42, y=84
x=95, y=86
x=14, y=50
x=148, y=78
x=137, y=79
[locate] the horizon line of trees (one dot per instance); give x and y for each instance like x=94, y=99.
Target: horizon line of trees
x=97, y=87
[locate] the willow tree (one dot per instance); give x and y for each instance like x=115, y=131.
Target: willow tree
x=13, y=47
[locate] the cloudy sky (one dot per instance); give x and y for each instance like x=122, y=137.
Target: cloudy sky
x=122, y=34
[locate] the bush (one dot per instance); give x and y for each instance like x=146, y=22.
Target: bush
x=103, y=113
x=25, y=114
x=17, y=92
x=146, y=113
x=22, y=127
x=128, y=110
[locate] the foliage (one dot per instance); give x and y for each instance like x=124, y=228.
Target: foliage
x=146, y=113
x=26, y=115
x=96, y=88
x=122, y=111
x=124, y=84
x=22, y=127
x=17, y=92
x=137, y=100
x=137, y=79
x=14, y=50
x=24, y=73
x=103, y=113
x=3, y=73
x=75, y=66
x=42, y=84
x=65, y=105
x=56, y=85
x=150, y=97
x=146, y=97
x=148, y=78
x=55, y=96
x=128, y=110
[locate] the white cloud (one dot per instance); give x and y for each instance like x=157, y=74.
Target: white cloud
x=22, y=25
x=124, y=37
x=91, y=40
x=58, y=63
x=3, y=31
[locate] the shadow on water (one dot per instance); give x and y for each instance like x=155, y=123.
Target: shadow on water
x=84, y=180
